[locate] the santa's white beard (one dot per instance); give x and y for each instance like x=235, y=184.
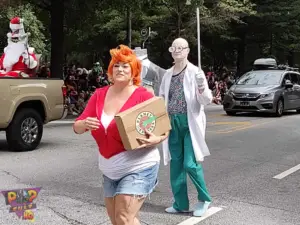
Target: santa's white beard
x=12, y=54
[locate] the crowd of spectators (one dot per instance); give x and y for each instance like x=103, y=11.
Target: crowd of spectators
x=219, y=83
x=81, y=84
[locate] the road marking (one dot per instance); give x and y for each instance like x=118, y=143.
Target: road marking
x=239, y=124
x=247, y=126
x=194, y=220
x=62, y=122
x=287, y=172
x=215, y=115
x=228, y=129
x=240, y=128
x=232, y=123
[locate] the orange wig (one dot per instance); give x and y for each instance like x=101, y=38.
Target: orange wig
x=124, y=54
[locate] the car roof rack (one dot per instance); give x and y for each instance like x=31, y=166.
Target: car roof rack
x=271, y=64
x=264, y=64
x=288, y=68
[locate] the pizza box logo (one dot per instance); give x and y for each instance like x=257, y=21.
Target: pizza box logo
x=145, y=121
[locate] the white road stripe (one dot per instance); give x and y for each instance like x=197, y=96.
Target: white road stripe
x=287, y=172
x=195, y=220
x=62, y=122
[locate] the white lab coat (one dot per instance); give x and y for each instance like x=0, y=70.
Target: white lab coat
x=195, y=109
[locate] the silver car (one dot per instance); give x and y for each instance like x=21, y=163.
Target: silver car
x=270, y=91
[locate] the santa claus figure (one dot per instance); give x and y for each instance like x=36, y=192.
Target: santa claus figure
x=18, y=59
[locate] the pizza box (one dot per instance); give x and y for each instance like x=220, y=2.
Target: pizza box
x=151, y=115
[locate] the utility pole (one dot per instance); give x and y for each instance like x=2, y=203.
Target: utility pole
x=129, y=15
x=188, y=2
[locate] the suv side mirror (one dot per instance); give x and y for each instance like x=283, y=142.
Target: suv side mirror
x=288, y=84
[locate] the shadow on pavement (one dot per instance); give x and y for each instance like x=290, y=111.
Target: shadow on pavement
x=264, y=115
x=159, y=209
x=4, y=147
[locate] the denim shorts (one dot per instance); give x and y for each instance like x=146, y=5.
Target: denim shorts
x=140, y=183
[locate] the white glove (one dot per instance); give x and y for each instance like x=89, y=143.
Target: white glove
x=25, y=58
x=200, y=79
x=25, y=55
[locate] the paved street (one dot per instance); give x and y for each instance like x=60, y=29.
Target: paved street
x=247, y=152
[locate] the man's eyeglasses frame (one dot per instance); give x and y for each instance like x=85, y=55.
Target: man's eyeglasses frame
x=177, y=49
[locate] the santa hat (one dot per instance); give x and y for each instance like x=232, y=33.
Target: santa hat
x=16, y=23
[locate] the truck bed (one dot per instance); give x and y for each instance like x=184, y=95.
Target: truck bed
x=18, y=91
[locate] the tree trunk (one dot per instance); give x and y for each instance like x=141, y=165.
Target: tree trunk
x=240, y=63
x=271, y=43
x=57, y=38
x=291, y=58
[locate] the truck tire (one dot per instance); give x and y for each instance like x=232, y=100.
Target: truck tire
x=25, y=130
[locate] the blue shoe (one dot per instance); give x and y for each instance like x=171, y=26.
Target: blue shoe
x=201, y=208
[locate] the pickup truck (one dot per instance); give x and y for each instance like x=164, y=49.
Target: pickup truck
x=26, y=105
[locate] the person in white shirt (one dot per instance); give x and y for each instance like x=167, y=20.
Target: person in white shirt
x=185, y=90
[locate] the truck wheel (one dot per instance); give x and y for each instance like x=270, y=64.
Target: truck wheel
x=25, y=130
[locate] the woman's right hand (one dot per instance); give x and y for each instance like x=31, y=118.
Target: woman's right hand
x=91, y=123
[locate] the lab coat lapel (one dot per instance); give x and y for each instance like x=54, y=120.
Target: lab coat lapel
x=165, y=144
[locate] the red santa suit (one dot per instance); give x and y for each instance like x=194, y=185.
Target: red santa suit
x=17, y=58
x=26, y=63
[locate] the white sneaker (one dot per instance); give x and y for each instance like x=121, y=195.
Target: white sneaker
x=173, y=211
x=201, y=208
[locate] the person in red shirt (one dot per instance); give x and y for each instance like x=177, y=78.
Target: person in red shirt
x=128, y=176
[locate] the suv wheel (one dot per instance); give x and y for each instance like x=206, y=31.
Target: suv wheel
x=25, y=130
x=279, y=108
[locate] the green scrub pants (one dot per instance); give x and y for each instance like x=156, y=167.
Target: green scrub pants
x=183, y=162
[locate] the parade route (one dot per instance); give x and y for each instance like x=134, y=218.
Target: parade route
x=247, y=153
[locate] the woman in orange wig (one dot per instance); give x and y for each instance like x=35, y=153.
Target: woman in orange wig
x=128, y=176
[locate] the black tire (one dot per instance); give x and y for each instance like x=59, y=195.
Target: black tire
x=13, y=132
x=279, y=108
x=230, y=113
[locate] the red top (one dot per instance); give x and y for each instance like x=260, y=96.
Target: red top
x=18, y=66
x=110, y=142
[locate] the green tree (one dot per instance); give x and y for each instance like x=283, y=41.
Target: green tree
x=31, y=23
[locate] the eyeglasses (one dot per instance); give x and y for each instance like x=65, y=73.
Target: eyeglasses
x=177, y=49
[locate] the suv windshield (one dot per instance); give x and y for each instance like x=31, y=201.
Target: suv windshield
x=261, y=78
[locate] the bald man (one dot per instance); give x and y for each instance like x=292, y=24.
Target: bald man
x=185, y=90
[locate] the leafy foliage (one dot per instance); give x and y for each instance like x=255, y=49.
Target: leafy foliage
x=31, y=23
x=231, y=30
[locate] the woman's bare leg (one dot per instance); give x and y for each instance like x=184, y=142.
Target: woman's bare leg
x=127, y=208
x=110, y=208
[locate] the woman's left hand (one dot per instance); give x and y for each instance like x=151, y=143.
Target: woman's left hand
x=150, y=141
